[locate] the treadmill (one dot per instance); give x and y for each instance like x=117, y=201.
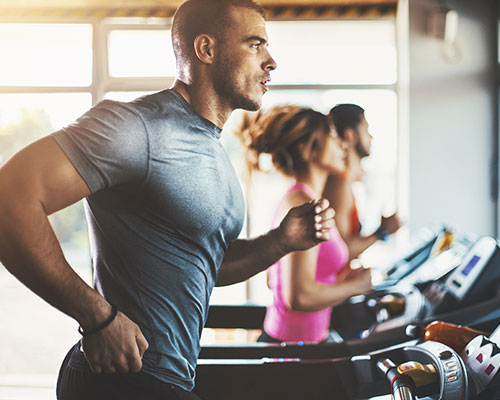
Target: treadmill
x=413, y=369
x=425, y=259
x=422, y=245
x=467, y=296
x=443, y=256
x=475, y=280
x=359, y=377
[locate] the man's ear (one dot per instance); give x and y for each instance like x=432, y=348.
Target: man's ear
x=204, y=48
x=351, y=136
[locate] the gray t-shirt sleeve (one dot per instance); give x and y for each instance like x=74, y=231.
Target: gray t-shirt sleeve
x=108, y=145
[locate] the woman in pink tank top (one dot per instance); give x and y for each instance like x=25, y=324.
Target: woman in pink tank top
x=305, y=284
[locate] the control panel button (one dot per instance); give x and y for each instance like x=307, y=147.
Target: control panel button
x=451, y=365
x=445, y=354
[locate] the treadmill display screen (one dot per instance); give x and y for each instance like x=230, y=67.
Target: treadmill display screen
x=473, y=261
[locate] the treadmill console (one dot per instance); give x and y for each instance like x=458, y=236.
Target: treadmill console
x=474, y=280
x=445, y=261
x=460, y=282
x=418, y=251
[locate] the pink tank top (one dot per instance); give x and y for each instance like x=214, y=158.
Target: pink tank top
x=285, y=324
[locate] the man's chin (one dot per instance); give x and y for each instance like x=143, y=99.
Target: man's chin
x=362, y=152
x=250, y=104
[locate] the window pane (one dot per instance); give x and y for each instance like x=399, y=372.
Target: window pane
x=27, y=117
x=35, y=336
x=333, y=52
x=141, y=53
x=45, y=55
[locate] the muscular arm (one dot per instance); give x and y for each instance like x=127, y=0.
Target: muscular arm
x=246, y=257
x=36, y=182
x=299, y=230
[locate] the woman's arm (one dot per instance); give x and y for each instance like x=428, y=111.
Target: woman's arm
x=338, y=191
x=303, y=293
x=298, y=270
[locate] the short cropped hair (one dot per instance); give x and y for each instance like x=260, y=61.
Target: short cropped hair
x=194, y=17
x=345, y=116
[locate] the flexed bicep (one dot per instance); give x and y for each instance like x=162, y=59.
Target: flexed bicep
x=41, y=175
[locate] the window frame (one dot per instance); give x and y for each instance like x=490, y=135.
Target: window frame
x=103, y=83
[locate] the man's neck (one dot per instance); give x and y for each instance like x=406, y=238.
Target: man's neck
x=205, y=101
x=354, y=168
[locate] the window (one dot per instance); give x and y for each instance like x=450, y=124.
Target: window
x=45, y=75
x=48, y=79
x=321, y=64
x=140, y=53
x=333, y=52
x=46, y=54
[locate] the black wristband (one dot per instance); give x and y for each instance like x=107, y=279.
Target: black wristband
x=111, y=318
x=381, y=233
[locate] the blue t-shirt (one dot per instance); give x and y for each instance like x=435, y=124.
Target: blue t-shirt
x=165, y=206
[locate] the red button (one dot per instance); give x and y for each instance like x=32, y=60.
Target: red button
x=489, y=369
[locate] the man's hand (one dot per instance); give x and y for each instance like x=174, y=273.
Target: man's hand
x=360, y=278
x=391, y=224
x=302, y=228
x=306, y=226
x=117, y=348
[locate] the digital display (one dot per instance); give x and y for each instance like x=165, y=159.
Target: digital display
x=468, y=268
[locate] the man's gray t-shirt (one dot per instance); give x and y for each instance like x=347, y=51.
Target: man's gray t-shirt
x=165, y=205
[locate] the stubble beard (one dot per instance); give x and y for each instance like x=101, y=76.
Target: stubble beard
x=361, y=150
x=226, y=85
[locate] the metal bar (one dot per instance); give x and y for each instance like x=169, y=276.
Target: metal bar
x=44, y=89
x=113, y=84
x=335, y=86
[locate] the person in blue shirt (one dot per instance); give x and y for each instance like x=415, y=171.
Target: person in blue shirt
x=164, y=210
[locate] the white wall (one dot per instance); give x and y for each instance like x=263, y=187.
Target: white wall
x=452, y=120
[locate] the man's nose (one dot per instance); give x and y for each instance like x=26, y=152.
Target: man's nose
x=270, y=64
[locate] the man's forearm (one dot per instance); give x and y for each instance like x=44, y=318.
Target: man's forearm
x=303, y=227
x=247, y=257
x=358, y=244
x=30, y=250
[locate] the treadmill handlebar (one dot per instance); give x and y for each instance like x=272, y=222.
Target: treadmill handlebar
x=402, y=386
x=403, y=393
x=455, y=336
